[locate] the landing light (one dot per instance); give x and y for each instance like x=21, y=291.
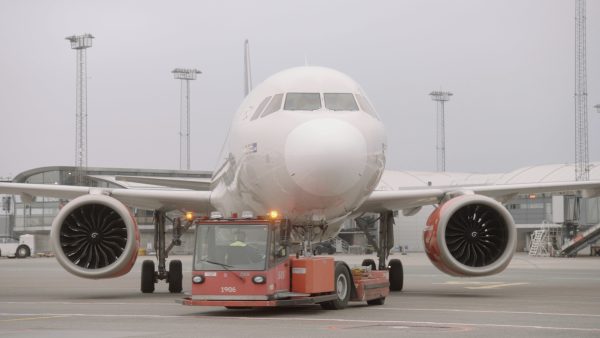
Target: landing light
x=273, y=214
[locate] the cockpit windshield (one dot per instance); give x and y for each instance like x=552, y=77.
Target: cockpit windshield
x=340, y=101
x=366, y=106
x=302, y=101
x=231, y=247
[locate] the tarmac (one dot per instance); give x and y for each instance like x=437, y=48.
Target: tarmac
x=534, y=297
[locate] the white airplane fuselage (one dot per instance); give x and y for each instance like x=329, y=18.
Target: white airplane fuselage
x=314, y=166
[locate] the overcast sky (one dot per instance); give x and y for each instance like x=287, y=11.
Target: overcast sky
x=509, y=63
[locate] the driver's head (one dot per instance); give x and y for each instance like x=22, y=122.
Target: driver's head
x=240, y=236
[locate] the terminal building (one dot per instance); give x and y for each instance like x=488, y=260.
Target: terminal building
x=564, y=217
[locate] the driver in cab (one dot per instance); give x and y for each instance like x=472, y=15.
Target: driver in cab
x=239, y=239
x=240, y=253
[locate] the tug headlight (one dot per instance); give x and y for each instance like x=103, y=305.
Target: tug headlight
x=198, y=279
x=259, y=279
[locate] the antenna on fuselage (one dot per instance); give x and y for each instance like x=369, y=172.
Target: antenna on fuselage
x=247, y=69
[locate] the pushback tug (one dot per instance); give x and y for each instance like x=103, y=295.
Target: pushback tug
x=252, y=262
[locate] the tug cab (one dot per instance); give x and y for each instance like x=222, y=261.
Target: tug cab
x=251, y=262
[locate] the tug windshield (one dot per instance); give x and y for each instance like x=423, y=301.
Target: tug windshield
x=231, y=247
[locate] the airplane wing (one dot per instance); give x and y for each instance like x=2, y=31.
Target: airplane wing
x=403, y=199
x=172, y=182
x=151, y=199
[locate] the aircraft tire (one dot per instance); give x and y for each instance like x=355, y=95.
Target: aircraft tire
x=147, y=276
x=175, y=276
x=396, y=275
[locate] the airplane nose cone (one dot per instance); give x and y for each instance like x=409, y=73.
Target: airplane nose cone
x=326, y=157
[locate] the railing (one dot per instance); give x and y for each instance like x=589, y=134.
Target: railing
x=572, y=247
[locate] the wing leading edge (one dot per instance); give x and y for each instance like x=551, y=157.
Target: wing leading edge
x=152, y=199
x=381, y=200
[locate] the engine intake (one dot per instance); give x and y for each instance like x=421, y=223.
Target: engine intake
x=95, y=236
x=470, y=235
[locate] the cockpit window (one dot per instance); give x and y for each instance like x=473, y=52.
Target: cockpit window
x=302, y=101
x=340, y=101
x=274, y=106
x=365, y=105
x=260, y=108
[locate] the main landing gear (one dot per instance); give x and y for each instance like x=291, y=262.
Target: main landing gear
x=174, y=275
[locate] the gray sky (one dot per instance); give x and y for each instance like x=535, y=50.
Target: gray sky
x=510, y=64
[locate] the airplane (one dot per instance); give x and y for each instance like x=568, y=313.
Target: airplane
x=308, y=143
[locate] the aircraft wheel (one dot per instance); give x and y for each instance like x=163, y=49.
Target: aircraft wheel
x=148, y=278
x=369, y=262
x=23, y=251
x=342, y=288
x=175, y=276
x=396, y=275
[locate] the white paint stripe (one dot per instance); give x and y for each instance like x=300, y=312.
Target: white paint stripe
x=170, y=303
x=31, y=318
x=494, y=286
x=493, y=311
x=453, y=282
x=305, y=319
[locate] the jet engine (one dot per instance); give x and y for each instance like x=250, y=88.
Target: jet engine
x=470, y=235
x=95, y=236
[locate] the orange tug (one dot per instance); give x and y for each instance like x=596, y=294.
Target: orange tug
x=247, y=262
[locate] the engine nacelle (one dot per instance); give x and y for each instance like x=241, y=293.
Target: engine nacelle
x=95, y=236
x=470, y=235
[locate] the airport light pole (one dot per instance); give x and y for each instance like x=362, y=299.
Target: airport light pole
x=582, y=156
x=440, y=97
x=185, y=75
x=80, y=43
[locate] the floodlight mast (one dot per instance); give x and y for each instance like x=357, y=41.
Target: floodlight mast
x=185, y=75
x=80, y=43
x=582, y=157
x=440, y=97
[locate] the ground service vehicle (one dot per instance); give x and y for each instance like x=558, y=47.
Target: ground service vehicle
x=253, y=263
x=20, y=248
